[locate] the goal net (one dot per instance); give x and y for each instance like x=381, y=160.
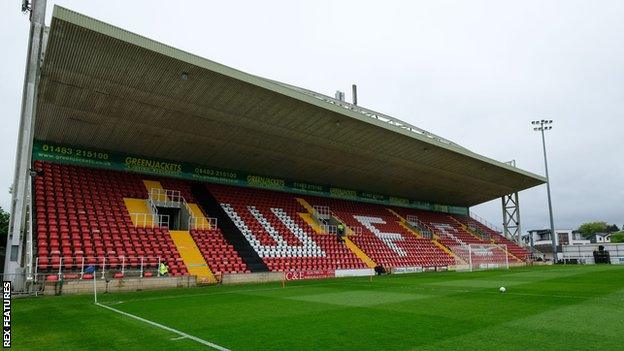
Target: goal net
x=474, y=257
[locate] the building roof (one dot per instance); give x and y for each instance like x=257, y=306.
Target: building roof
x=106, y=88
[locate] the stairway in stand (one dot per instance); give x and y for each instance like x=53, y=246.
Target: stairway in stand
x=232, y=234
x=192, y=257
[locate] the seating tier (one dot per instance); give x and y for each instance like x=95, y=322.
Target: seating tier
x=382, y=238
x=81, y=219
x=270, y=221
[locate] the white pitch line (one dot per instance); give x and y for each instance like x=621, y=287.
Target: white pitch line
x=214, y=293
x=182, y=334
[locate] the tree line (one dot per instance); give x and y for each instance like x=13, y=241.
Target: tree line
x=590, y=228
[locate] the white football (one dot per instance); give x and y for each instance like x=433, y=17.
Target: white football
x=502, y=289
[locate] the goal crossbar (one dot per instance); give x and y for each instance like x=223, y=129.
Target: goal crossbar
x=481, y=256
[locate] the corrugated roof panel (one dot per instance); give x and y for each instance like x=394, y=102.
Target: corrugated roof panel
x=107, y=88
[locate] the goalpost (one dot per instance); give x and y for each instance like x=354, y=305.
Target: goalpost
x=474, y=257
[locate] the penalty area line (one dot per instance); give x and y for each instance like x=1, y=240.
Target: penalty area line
x=183, y=335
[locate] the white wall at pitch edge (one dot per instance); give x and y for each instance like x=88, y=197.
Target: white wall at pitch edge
x=363, y=272
x=404, y=270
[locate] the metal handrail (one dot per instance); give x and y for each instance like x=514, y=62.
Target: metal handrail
x=202, y=223
x=100, y=262
x=152, y=206
x=174, y=198
x=420, y=225
x=483, y=221
x=499, y=232
x=166, y=197
x=355, y=230
x=329, y=228
x=144, y=220
x=322, y=212
x=478, y=231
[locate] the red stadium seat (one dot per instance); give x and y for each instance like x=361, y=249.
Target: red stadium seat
x=52, y=278
x=81, y=220
x=81, y=217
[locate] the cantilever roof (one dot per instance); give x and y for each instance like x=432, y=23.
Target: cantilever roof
x=107, y=88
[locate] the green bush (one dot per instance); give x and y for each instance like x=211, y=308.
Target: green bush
x=617, y=237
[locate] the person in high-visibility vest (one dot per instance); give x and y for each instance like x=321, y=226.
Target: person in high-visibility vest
x=163, y=269
x=341, y=232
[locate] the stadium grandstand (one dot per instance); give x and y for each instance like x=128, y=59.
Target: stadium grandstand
x=133, y=155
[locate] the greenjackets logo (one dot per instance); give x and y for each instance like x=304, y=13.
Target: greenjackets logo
x=266, y=182
x=152, y=165
x=338, y=192
x=399, y=200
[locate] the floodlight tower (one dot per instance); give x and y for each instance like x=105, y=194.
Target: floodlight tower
x=541, y=126
x=18, y=265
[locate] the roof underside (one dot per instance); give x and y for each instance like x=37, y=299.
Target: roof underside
x=106, y=88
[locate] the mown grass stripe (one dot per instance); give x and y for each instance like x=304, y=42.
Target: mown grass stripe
x=158, y=325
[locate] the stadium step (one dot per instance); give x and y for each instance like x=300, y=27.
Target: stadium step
x=403, y=223
x=193, y=259
x=202, y=221
x=349, y=230
x=152, y=184
x=144, y=216
x=333, y=220
x=196, y=211
x=447, y=250
x=305, y=204
x=465, y=228
x=409, y=229
x=231, y=233
x=315, y=226
x=308, y=216
x=359, y=253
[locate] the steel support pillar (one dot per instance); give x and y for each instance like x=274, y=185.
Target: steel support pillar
x=511, y=214
x=18, y=266
x=511, y=217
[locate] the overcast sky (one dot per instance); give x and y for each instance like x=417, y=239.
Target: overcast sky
x=475, y=72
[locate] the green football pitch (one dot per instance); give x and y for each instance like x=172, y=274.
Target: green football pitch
x=544, y=308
